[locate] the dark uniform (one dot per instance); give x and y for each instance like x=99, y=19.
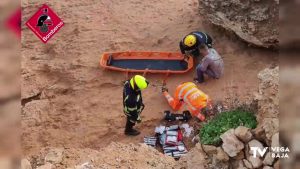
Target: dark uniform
x=133, y=106
x=194, y=50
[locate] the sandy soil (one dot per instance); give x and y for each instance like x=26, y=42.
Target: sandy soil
x=68, y=101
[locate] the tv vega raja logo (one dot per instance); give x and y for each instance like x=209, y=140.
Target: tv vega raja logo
x=276, y=152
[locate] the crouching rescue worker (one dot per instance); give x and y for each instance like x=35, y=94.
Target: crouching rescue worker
x=188, y=93
x=211, y=64
x=133, y=102
x=189, y=45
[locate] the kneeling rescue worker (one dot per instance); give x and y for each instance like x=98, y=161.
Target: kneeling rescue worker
x=133, y=102
x=188, y=93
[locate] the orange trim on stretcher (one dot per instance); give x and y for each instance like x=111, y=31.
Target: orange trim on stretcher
x=144, y=55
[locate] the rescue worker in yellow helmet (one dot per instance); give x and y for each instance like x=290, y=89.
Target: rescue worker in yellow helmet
x=133, y=102
x=189, y=45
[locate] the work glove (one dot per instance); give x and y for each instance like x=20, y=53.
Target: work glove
x=164, y=89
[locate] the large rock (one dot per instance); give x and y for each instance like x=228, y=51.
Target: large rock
x=221, y=155
x=195, y=158
x=247, y=164
x=268, y=96
x=54, y=156
x=253, y=21
x=269, y=160
x=275, y=140
x=239, y=164
x=231, y=144
x=255, y=143
x=239, y=156
x=256, y=162
x=243, y=133
x=208, y=149
x=268, y=104
x=216, y=163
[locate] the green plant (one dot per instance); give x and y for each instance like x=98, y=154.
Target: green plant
x=211, y=131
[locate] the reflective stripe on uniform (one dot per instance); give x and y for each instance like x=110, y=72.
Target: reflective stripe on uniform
x=132, y=109
x=138, y=98
x=187, y=100
x=169, y=98
x=128, y=109
x=189, y=92
x=126, y=98
x=183, y=88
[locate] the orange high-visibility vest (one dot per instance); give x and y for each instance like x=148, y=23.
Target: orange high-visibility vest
x=191, y=95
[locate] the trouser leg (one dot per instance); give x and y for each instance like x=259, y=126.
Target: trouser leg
x=210, y=73
x=200, y=74
x=129, y=124
x=198, y=114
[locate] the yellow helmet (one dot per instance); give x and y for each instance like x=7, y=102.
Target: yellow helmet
x=138, y=82
x=189, y=40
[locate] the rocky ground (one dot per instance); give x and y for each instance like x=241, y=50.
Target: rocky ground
x=255, y=21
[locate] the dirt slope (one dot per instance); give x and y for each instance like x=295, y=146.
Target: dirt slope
x=68, y=101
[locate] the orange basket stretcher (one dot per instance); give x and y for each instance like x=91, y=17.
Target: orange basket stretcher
x=146, y=62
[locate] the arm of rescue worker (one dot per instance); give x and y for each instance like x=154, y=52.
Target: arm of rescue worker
x=174, y=103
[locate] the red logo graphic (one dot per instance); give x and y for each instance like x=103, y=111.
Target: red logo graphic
x=45, y=23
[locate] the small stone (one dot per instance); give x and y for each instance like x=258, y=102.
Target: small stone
x=256, y=162
x=243, y=133
x=231, y=144
x=208, y=149
x=55, y=156
x=25, y=164
x=268, y=159
x=247, y=164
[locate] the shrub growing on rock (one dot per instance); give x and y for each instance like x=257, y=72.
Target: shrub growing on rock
x=211, y=131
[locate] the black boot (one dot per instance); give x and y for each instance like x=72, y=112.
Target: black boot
x=129, y=129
